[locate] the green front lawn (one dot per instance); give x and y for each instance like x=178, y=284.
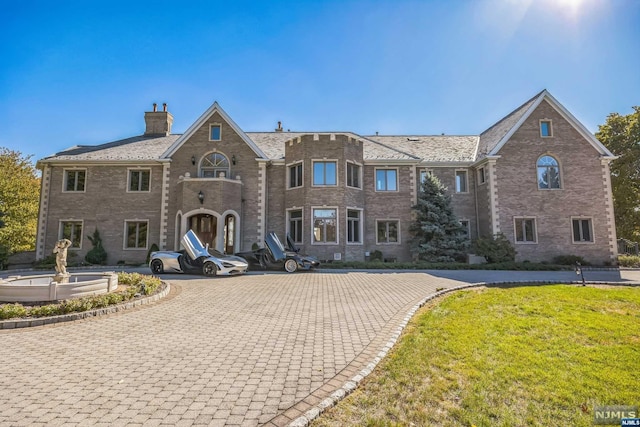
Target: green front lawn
x=522, y=356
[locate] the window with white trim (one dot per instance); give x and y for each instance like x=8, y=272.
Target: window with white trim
x=388, y=231
x=354, y=226
x=74, y=180
x=295, y=175
x=525, y=230
x=214, y=165
x=325, y=225
x=215, y=132
x=295, y=225
x=546, y=130
x=325, y=173
x=353, y=175
x=548, y=173
x=582, y=230
x=139, y=180
x=386, y=180
x=71, y=230
x=461, y=181
x=136, y=234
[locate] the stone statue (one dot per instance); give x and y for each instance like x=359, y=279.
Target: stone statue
x=60, y=250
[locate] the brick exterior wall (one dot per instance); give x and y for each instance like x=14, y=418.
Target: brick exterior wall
x=106, y=205
x=581, y=193
x=221, y=195
x=257, y=194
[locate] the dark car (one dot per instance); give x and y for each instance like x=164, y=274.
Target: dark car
x=274, y=256
x=196, y=259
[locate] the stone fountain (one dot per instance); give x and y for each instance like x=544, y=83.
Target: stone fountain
x=63, y=285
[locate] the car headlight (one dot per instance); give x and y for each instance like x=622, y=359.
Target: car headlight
x=227, y=265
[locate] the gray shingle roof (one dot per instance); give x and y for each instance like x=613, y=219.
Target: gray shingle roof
x=131, y=149
x=490, y=138
x=272, y=143
x=432, y=148
x=429, y=148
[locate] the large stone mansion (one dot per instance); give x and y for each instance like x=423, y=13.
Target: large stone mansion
x=538, y=176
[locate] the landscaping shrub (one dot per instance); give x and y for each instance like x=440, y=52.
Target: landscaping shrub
x=569, y=260
x=421, y=265
x=49, y=262
x=97, y=255
x=4, y=256
x=629, y=261
x=8, y=311
x=495, y=249
x=375, y=256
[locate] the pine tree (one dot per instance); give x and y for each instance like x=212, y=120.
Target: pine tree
x=438, y=236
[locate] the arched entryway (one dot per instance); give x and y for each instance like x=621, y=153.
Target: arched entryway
x=219, y=231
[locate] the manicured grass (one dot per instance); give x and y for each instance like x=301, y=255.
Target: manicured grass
x=522, y=356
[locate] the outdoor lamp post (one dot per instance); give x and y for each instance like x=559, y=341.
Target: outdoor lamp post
x=579, y=271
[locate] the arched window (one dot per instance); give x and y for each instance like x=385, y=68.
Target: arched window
x=214, y=165
x=548, y=173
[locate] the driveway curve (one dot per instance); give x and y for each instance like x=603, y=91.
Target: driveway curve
x=259, y=349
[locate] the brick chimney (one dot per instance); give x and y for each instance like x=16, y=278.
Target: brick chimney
x=158, y=122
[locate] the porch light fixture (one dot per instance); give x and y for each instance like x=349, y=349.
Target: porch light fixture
x=233, y=159
x=193, y=160
x=201, y=197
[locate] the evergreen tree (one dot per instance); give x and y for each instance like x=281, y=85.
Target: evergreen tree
x=97, y=255
x=438, y=236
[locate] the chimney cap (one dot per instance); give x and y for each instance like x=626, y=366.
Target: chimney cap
x=155, y=107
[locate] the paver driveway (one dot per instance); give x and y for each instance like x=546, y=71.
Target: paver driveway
x=250, y=350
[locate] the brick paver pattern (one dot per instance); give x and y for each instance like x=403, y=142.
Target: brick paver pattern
x=250, y=350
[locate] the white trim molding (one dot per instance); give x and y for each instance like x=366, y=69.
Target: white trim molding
x=164, y=206
x=45, y=189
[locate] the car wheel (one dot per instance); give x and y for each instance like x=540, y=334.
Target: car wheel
x=290, y=265
x=157, y=267
x=209, y=269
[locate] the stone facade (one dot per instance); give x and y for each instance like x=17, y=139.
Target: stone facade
x=341, y=195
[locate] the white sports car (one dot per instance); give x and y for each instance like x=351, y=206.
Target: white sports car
x=196, y=259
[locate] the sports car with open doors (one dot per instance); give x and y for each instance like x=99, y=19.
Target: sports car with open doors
x=274, y=256
x=196, y=259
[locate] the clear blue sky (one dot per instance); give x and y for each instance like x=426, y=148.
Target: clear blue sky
x=85, y=72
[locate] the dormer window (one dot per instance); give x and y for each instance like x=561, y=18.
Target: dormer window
x=214, y=165
x=215, y=133
x=546, y=131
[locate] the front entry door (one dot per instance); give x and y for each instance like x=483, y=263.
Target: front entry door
x=205, y=226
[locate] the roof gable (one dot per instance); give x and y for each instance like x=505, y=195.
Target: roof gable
x=215, y=108
x=494, y=138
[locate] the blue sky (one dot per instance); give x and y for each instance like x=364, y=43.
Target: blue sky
x=84, y=73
